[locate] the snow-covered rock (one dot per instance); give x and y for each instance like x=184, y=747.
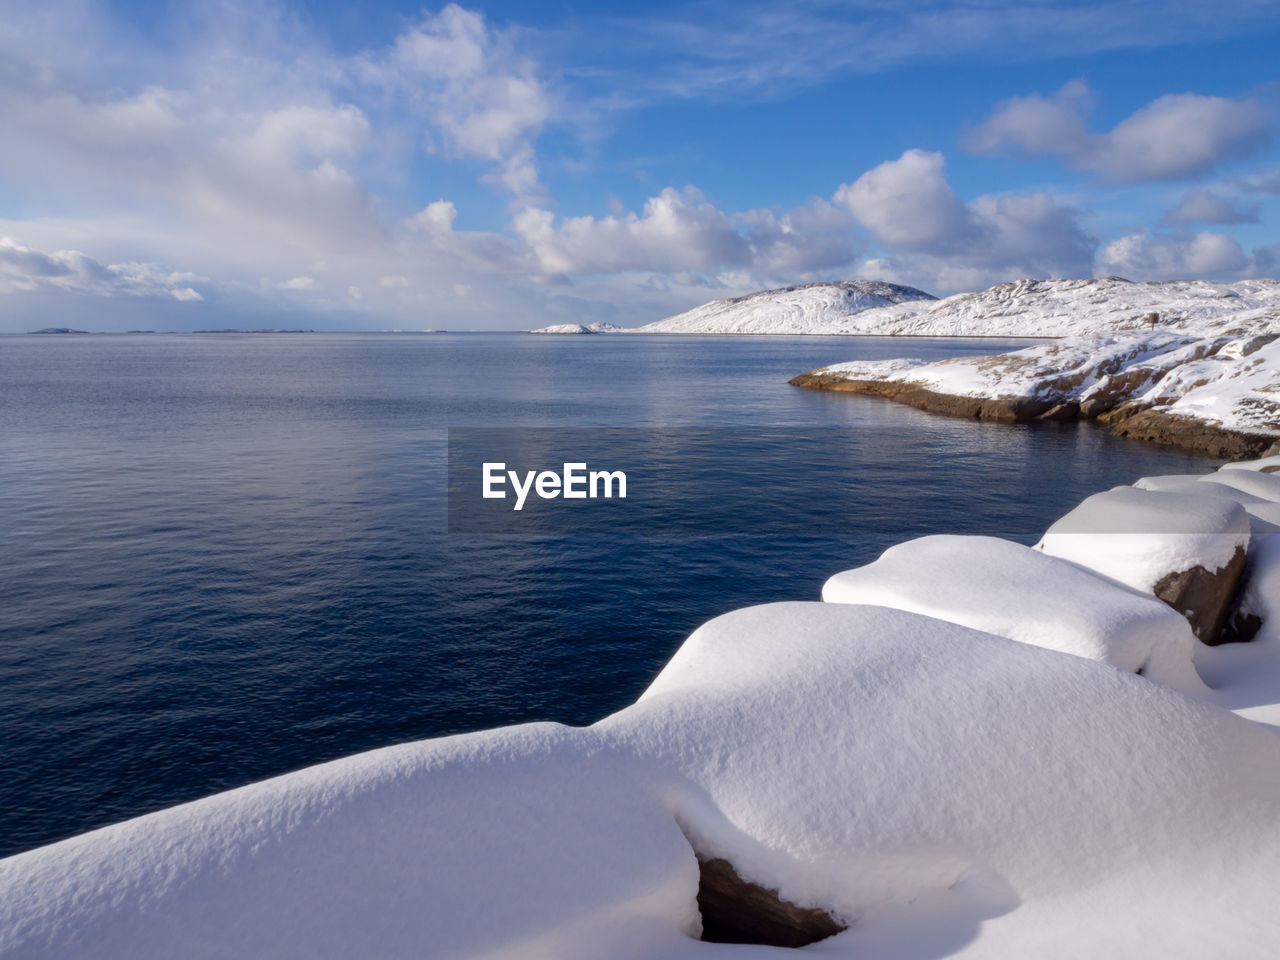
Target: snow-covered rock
x=914, y=775
x=529, y=841
x=1246, y=676
x=1269, y=464
x=806, y=308
x=1014, y=591
x=1264, y=515
x=1217, y=393
x=1188, y=550
x=1264, y=486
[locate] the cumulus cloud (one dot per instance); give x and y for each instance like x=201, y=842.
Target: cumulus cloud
x=1162, y=256
x=1176, y=136
x=25, y=269
x=1204, y=206
x=907, y=203
x=803, y=243
x=677, y=230
x=681, y=234
x=934, y=239
x=1038, y=124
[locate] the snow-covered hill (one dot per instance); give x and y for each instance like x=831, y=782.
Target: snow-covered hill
x=1025, y=308
x=1075, y=308
x=807, y=308
x=599, y=326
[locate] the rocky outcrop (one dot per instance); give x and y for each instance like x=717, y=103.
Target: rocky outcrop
x=1008, y=409
x=735, y=910
x=1217, y=395
x=1152, y=425
x=1205, y=598
x=1187, y=548
x=1185, y=433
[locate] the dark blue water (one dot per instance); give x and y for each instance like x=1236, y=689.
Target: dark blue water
x=224, y=557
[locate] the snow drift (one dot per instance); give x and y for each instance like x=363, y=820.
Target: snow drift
x=1014, y=591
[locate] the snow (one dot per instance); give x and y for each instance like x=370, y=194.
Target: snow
x=1014, y=591
x=1139, y=536
x=532, y=839
x=1264, y=486
x=1026, y=308
x=1264, y=515
x=807, y=308
x=888, y=764
x=953, y=755
x=1229, y=381
x=1247, y=675
x=1263, y=464
x=599, y=326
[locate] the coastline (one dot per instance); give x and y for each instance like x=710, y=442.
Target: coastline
x=1149, y=424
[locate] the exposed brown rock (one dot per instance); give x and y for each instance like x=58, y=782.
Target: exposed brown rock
x=1188, y=433
x=980, y=408
x=1204, y=597
x=735, y=910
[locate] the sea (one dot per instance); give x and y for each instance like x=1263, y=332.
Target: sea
x=228, y=556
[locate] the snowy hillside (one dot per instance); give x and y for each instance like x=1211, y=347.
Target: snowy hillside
x=807, y=308
x=599, y=326
x=1026, y=308
x=1075, y=308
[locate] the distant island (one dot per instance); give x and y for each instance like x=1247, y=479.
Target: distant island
x=47, y=330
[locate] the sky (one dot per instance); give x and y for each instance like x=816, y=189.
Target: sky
x=179, y=166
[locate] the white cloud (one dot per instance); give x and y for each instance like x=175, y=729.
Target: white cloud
x=297, y=283
x=1162, y=256
x=481, y=97
x=1176, y=136
x=804, y=243
x=933, y=240
x=1204, y=206
x=435, y=217
x=1037, y=124
x=678, y=230
x=26, y=269
x=681, y=234
x=908, y=204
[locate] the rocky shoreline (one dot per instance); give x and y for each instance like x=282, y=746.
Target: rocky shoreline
x=1216, y=394
x=1126, y=420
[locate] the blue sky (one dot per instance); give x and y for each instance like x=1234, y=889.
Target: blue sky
x=497, y=166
